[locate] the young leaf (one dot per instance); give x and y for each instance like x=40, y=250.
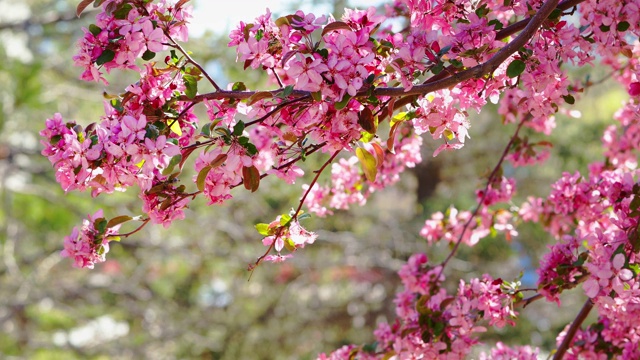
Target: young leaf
x=379, y=154
x=391, y=142
x=342, y=103
x=368, y=163
x=239, y=86
x=118, y=220
x=172, y=164
x=175, y=127
x=202, y=176
x=250, y=178
x=258, y=96
x=336, y=25
x=191, y=84
x=81, y=6
x=263, y=229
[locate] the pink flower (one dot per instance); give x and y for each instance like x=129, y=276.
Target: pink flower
x=634, y=89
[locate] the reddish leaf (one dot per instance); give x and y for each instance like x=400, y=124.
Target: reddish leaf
x=250, y=178
x=118, y=220
x=287, y=56
x=378, y=153
x=336, y=25
x=180, y=3
x=367, y=121
x=219, y=160
x=83, y=5
x=391, y=142
x=258, y=96
x=185, y=155
x=390, y=107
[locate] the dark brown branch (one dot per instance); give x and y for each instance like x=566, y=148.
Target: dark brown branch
x=514, y=28
x=530, y=28
x=571, y=333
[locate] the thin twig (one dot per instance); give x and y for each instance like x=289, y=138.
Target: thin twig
x=490, y=180
x=193, y=62
x=573, y=329
x=313, y=182
x=275, y=110
x=144, y=223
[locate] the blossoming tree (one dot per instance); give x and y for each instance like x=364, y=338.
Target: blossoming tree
x=361, y=96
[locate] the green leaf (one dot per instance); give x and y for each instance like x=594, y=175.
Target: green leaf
x=239, y=86
x=622, y=26
x=635, y=203
x=202, y=176
x=284, y=219
x=368, y=163
x=148, y=55
x=263, y=229
x=516, y=68
x=366, y=136
x=605, y=28
x=251, y=149
x=94, y=29
x=438, y=68
x=497, y=24
x=222, y=131
x=118, y=220
x=569, y=99
x=343, y=103
x=106, y=56
x=101, y=225
x=238, y=128
x=172, y=164
x=304, y=216
x=555, y=14
x=191, y=84
x=123, y=11
x=288, y=90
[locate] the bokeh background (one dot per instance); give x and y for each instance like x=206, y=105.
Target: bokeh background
x=184, y=292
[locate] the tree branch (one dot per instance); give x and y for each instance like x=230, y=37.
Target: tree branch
x=490, y=180
x=530, y=26
x=571, y=333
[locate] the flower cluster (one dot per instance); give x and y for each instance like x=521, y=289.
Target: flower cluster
x=434, y=324
x=125, y=31
x=89, y=245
